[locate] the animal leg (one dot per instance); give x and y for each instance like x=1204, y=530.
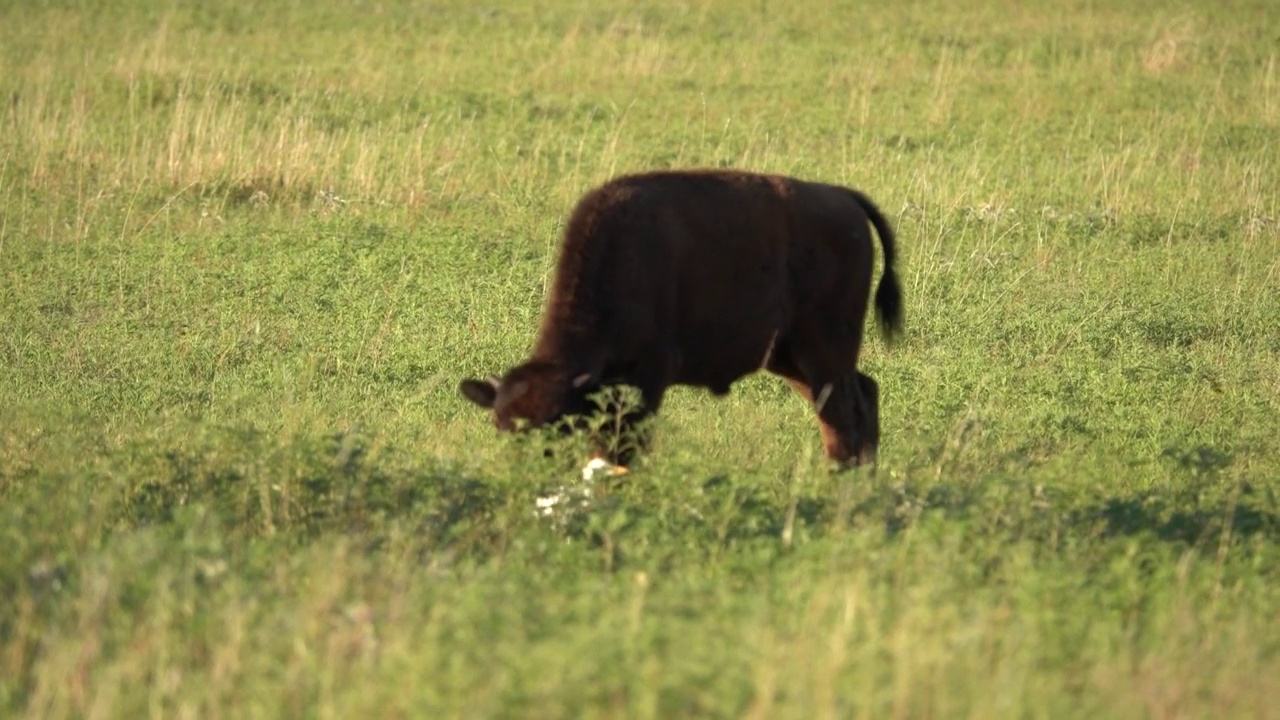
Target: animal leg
x=832, y=425
x=870, y=414
x=624, y=437
x=841, y=412
x=845, y=401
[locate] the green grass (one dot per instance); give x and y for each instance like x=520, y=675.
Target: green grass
x=247, y=250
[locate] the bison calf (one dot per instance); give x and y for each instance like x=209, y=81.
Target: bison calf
x=701, y=278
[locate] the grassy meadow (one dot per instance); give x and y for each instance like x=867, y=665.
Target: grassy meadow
x=248, y=249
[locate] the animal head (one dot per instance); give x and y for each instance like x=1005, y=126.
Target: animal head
x=531, y=395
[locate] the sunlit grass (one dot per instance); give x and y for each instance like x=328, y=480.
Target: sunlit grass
x=248, y=250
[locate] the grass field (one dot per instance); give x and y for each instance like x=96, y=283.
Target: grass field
x=248, y=249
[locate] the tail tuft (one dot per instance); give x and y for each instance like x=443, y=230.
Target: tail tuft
x=889, y=292
x=889, y=306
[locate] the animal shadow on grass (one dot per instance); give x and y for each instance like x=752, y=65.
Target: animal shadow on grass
x=320, y=485
x=1205, y=510
x=1150, y=513
x=724, y=510
x=312, y=486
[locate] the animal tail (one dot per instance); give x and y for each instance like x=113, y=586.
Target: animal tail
x=889, y=291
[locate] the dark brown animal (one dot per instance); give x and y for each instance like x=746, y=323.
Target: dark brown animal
x=701, y=278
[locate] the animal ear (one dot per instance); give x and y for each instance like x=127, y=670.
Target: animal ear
x=480, y=392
